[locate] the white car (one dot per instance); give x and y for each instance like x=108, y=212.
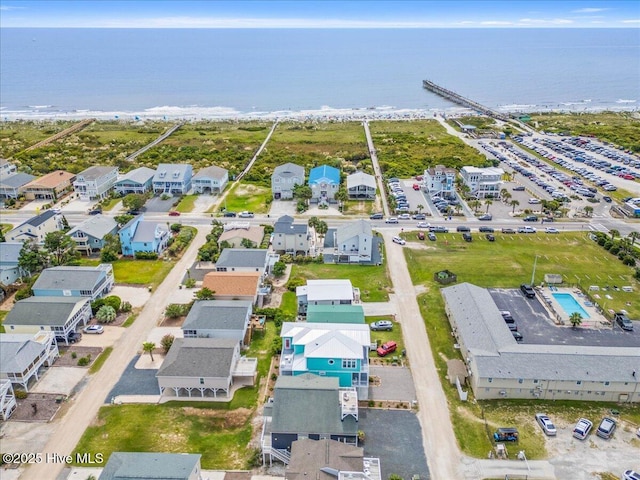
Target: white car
x=93, y=329
x=423, y=225
x=245, y=215
x=398, y=240
x=582, y=428
x=534, y=201
x=527, y=230
x=545, y=423
x=551, y=230
x=404, y=216
x=391, y=220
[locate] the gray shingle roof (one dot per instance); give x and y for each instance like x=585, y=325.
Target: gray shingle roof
x=285, y=225
x=17, y=351
x=288, y=170
x=310, y=459
x=308, y=403
x=211, y=172
x=52, y=311
x=199, y=357
x=242, y=258
x=68, y=278
x=146, y=231
x=95, y=172
x=149, y=466
x=170, y=169
x=350, y=230
x=16, y=180
x=140, y=175
x=361, y=178
x=218, y=314
x=97, y=226
x=10, y=252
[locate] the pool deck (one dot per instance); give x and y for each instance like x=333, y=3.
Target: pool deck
x=596, y=320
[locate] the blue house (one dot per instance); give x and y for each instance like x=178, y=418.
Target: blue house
x=90, y=234
x=329, y=349
x=324, y=182
x=139, y=180
x=9, y=269
x=140, y=235
x=173, y=179
x=94, y=282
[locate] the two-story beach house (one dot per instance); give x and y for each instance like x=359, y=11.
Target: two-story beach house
x=210, y=180
x=68, y=281
x=51, y=186
x=290, y=237
x=218, y=319
x=361, y=186
x=338, y=350
x=326, y=292
x=482, y=182
x=140, y=235
x=325, y=183
x=95, y=182
x=440, y=181
x=12, y=186
x=36, y=228
x=10, y=271
x=284, y=179
x=172, y=179
x=139, y=180
x=23, y=355
x=350, y=243
x=90, y=234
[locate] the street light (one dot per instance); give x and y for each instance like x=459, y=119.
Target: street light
x=533, y=274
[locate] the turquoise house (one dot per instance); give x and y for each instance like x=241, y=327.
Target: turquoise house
x=329, y=350
x=140, y=235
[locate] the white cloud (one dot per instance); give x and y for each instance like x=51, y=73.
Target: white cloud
x=495, y=23
x=589, y=10
x=542, y=21
x=7, y=8
x=636, y=20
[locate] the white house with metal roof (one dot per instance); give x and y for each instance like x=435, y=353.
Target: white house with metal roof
x=95, y=182
x=172, y=179
x=354, y=241
x=10, y=271
x=204, y=368
x=218, y=319
x=152, y=466
x=284, y=179
x=246, y=260
x=36, y=228
x=139, y=180
x=60, y=315
x=440, y=181
x=89, y=235
x=210, y=180
x=499, y=367
x=482, y=182
x=7, y=168
x=290, y=237
x=329, y=349
x=361, y=186
x=23, y=355
x=326, y=292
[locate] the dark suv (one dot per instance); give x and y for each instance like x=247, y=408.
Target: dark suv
x=462, y=228
x=528, y=291
x=73, y=337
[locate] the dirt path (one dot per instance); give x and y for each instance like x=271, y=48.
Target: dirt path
x=443, y=455
x=85, y=406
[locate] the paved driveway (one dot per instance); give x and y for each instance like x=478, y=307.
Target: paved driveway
x=135, y=381
x=395, y=384
x=394, y=436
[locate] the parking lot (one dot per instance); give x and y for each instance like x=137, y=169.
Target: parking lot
x=537, y=327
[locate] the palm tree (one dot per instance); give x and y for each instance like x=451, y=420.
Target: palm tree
x=420, y=208
x=575, y=319
x=614, y=233
x=475, y=204
x=488, y=202
x=505, y=196
x=588, y=210
x=633, y=236
x=149, y=347
x=106, y=314
x=514, y=204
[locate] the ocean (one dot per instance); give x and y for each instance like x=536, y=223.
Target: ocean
x=231, y=73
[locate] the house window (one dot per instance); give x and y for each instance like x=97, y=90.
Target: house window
x=490, y=380
x=86, y=293
x=201, y=381
x=287, y=343
x=520, y=380
x=606, y=383
x=535, y=381
x=331, y=361
x=347, y=363
x=579, y=382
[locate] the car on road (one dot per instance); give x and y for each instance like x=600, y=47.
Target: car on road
x=173, y=213
x=423, y=225
x=623, y=321
x=530, y=218
x=527, y=230
x=97, y=329
x=508, y=230
x=437, y=229
x=404, y=216
x=486, y=217
x=382, y=325
x=486, y=230
x=416, y=186
x=398, y=240
x=528, y=290
x=376, y=216
x=387, y=348
x=631, y=475
x=432, y=236
x=582, y=428
x=546, y=424
x=245, y=214
x=551, y=230
x=229, y=214
x=519, y=188
x=606, y=428
x=419, y=216
x=463, y=228
x=95, y=212
x=56, y=209
x=391, y=220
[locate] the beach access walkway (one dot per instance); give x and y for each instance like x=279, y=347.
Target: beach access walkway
x=161, y=138
x=376, y=168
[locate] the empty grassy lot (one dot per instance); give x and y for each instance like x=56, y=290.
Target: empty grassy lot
x=16, y=136
x=247, y=196
x=381, y=337
x=310, y=144
x=405, y=149
x=373, y=281
x=511, y=263
x=137, y=272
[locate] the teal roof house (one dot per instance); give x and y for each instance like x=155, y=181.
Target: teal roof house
x=324, y=182
x=329, y=349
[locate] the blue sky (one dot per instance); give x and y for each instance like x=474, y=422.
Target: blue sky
x=321, y=14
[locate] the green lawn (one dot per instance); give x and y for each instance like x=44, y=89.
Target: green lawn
x=97, y=364
x=245, y=196
x=186, y=203
x=109, y=204
x=512, y=257
x=137, y=272
x=5, y=227
x=289, y=305
x=373, y=281
x=3, y=314
x=381, y=337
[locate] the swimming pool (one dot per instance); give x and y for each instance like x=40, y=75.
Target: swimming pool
x=569, y=304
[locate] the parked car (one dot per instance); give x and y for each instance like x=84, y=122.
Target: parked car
x=245, y=214
x=607, y=199
x=533, y=201
x=518, y=336
x=432, y=236
x=382, y=325
x=420, y=235
x=631, y=475
x=404, y=216
x=416, y=186
x=491, y=237
x=229, y=214
x=376, y=216
x=545, y=423
x=93, y=329
x=582, y=429
x=398, y=240
x=387, y=348
x=95, y=212
x=528, y=290
x=530, y=218
x=606, y=428
x=508, y=230
x=467, y=237
x=391, y=220
x=486, y=216
x=519, y=188
x=623, y=321
x=173, y=213
x=74, y=337
x=506, y=435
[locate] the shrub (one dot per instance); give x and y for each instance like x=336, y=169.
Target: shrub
x=279, y=268
x=608, y=245
x=125, y=307
x=166, y=342
x=294, y=283
x=146, y=256
x=614, y=250
x=629, y=260
x=176, y=227
x=84, y=361
x=106, y=314
x=74, y=354
x=107, y=256
x=174, y=310
x=20, y=394
x=276, y=346
x=190, y=282
x=24, y=292
x=113, y=301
